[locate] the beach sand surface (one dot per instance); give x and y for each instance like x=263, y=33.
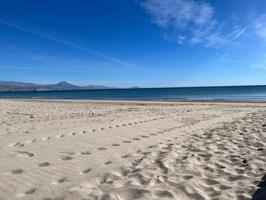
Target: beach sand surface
x=55, y=149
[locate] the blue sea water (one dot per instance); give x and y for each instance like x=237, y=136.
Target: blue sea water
x=181, y=93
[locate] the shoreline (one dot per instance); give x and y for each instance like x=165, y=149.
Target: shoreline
x=148, y=101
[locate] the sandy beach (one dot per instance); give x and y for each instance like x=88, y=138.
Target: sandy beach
x=131, y=150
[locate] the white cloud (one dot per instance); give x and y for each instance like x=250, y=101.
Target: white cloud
x=186, y=21
x=179, y=13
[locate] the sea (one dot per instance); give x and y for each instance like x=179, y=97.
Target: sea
x=230, y=93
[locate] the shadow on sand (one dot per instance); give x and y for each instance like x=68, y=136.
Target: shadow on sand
x=260, y=194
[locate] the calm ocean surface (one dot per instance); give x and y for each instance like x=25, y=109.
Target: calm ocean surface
x=195, y=93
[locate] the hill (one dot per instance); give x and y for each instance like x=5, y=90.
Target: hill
x=6, y=86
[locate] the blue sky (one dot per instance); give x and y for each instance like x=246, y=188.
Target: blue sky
x=148, y=43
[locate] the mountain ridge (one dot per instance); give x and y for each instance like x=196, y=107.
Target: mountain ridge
x=12, y=86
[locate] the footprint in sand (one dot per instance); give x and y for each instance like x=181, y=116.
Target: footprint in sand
x=145, y=136
x=85, y=171
x=125, y=156
x=59, y=181
x=17, y=171
x=28, y=192
x=31, y=141
x=17, y=144
x=108, y=163
x=46, y=138
x=44, y=164
x=102, y=148
x=62, y=180
x=31, y=191
x=59, y=136
x=24, y=154
x=187, y=177
x=67, y=158
x=85, y=153
x=164, y=194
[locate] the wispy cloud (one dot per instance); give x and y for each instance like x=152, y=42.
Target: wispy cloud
x=239, y=32
x=179, y=13
x=52, y=68
x=257, y=26
x=258, y=65
x=195, y=22
x=186, y=21
x=70, y=44
x=260, y=27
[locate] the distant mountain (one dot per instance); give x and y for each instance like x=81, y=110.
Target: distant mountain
x=63, y=85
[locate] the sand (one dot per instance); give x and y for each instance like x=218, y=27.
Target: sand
x=131, y=150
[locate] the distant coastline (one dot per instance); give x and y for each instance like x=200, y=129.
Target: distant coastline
x=11, y=86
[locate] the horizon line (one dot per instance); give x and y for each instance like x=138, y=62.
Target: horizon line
x=133, y=86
